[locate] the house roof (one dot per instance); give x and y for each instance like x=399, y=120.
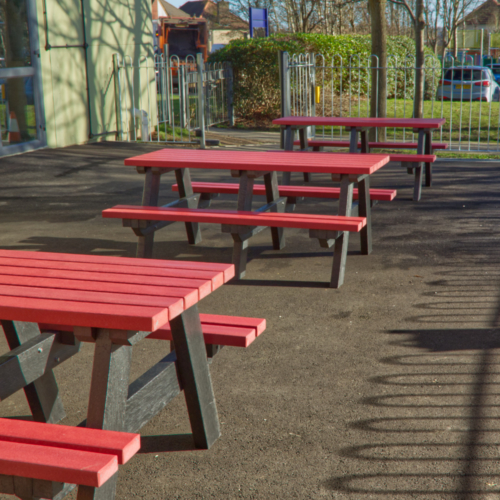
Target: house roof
x=172, y=11
x=487, y=14
x=219, y=17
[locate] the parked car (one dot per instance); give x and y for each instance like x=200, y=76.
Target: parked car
x=468, y=83
x=495, y=68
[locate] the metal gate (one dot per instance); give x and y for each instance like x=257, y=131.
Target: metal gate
x=312, y=87
x=170, y=100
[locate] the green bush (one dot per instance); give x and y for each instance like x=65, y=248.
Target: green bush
x=256, y=71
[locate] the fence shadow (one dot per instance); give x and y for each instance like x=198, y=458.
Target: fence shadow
x=436, y=432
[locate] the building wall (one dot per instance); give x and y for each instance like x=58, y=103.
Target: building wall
x=122, y=27
x=225, y=36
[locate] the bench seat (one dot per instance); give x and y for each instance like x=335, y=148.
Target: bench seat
x=63, y=454
x=373, y=145
x=289, y=191
x=217, y=329
x=238, y=217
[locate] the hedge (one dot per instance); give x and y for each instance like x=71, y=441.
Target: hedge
x=256, y=71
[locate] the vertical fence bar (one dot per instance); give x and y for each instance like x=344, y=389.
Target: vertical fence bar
x=201, y=99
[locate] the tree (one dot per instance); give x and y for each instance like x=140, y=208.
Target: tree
x=418, y=21
x=378, y=98
x=452, y=13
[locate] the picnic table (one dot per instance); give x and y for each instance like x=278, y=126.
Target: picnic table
x=358, y=140
x=113, y=302
x=244, y=223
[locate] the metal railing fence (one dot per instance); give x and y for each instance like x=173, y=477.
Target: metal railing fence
x=310, y=86
x=160, y=100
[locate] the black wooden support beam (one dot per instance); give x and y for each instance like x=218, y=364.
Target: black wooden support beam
x=151, y=392
x=28, y=362
x=43, y=394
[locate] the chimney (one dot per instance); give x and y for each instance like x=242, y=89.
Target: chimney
x=222, y=10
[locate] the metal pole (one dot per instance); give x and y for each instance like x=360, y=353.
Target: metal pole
x=285, y=89
x=182, y=96
x=230, y=95
x=201, y=99
x=312, y=90
x=482, y=41
x=118, y=98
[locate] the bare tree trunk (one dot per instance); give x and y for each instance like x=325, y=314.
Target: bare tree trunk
x=419, y=27
x=378, y=98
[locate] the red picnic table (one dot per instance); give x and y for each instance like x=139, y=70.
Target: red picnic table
x=113, y=302
x=358, y=128
x=244, y=223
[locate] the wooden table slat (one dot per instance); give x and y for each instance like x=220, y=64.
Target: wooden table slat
x=190, y=296
x=227, y=269
x=98, y=297
x=65, y=312
x=204, y=287
x=215, y=277
x=279, y=161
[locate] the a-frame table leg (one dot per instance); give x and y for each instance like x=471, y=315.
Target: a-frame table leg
x=108, y=399
x=417, y=190
x=342, y=241
x=183, y=178
x=428, y=151
x=195, y=377
x=365, y=211
x=303, y=147
x=272, y=195
x=150, y=196
x=240, y=248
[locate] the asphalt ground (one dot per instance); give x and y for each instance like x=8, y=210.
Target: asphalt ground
x=385, y=388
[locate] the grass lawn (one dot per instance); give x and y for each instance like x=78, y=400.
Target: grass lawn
x=466, y=123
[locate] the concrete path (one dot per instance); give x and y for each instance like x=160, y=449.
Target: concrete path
x=383, y=389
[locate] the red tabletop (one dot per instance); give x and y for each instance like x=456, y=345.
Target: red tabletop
x=102, y=292
x=279, y=161
x=420, y=123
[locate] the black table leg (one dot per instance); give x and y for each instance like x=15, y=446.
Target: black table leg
x=272, y=195
x=428, y=151
x=342, y=242
x=365, y=211
x=303, y=147
x=183, y=178
x=240, y=238
x=353, y=144
x=195, y=377
x=150, y=196
x=288, y=146
x=417, y=191
x=107, y=400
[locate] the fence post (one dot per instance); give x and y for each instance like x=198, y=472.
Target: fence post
x=201, y=99
x=230, y=95
x=312, y=73
x=167, y=77
x=118, y=98
x=284, y=88
x=182, y=96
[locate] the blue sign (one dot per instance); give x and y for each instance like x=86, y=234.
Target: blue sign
x=258, y=19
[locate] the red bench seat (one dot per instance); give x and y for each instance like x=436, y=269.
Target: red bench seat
x=219, y=330
x=289, y=191
x=373, y=145
x=75, y=455
x=237, y=217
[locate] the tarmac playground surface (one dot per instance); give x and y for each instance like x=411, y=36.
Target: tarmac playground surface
x=386, y=388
